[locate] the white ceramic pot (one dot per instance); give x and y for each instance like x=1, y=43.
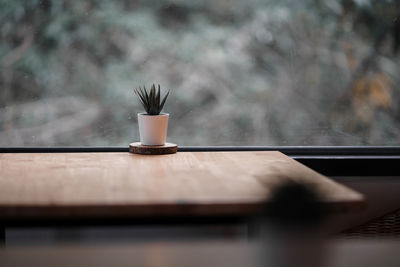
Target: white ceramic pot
x=153, y=129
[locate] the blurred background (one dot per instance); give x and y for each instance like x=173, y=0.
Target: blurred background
x=255, y=72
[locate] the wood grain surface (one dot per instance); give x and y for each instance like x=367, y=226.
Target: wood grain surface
x=167, y=148
x=124, y=184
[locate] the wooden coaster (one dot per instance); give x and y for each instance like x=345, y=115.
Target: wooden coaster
x=138, y=148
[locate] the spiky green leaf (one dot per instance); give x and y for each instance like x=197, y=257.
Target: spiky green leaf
x=151, y=100
x=163, y=101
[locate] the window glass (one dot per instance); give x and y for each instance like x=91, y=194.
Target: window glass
x=254, y=72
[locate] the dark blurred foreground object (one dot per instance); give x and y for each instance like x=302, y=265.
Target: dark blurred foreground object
x=290, y=227
x=294, y=205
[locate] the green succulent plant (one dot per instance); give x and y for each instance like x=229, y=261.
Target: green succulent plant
x=151, y=101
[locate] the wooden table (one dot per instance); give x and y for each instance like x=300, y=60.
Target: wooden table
x=75, y=185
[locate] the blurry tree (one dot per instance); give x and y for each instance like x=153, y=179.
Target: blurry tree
x=312, y=72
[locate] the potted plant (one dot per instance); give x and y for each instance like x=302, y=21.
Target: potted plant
x=153, y=124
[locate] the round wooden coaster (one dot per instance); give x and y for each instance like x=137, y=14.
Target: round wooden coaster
x=138, y=148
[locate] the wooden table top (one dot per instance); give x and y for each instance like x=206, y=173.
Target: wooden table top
x=123, y=184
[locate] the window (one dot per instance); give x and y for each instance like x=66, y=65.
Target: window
x=275, y=72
